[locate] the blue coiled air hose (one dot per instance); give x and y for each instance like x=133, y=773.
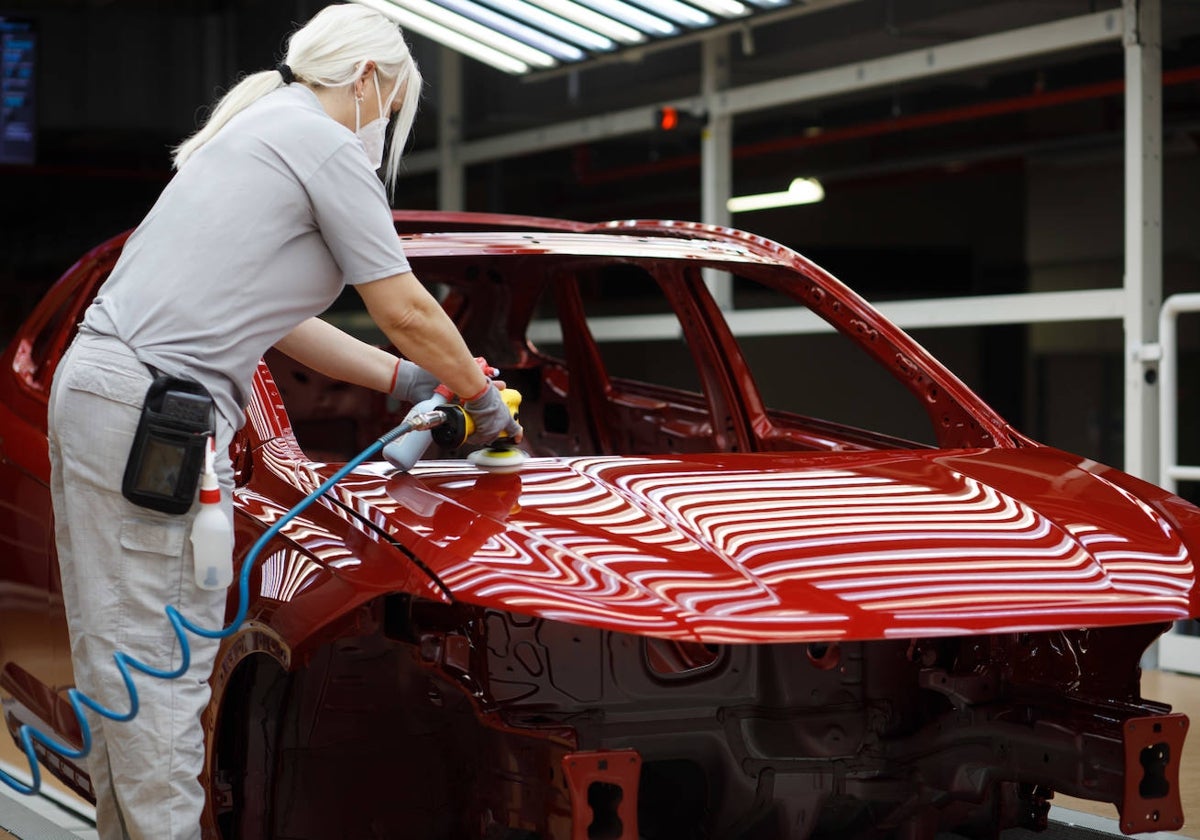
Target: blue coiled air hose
x=27, y=734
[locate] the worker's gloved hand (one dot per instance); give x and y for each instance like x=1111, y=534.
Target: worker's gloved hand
x=412, y=383
x=492, y=419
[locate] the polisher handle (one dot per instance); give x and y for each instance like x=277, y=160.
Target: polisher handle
x=459, y=424
x=512, y=400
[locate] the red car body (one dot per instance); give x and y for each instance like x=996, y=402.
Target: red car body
x=688, y=615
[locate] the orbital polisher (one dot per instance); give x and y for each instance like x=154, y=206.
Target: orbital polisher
x=449, y=425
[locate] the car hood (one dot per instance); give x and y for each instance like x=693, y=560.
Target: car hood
x=792, y=547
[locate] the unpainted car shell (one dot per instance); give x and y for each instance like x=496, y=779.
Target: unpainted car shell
x=745, y=592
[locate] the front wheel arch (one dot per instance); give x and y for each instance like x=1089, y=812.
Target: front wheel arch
x=244, y=748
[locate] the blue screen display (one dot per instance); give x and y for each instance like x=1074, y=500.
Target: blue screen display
x=18, y=111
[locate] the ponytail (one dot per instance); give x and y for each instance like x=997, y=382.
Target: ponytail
x=330, y=51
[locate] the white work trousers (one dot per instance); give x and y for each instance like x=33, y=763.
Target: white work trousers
x=121, y=564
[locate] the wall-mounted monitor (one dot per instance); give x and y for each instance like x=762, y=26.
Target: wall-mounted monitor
x=18, y=77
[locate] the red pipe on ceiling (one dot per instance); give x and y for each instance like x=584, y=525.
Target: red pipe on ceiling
x=821, y=137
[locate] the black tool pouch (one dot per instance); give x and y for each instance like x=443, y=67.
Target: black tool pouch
x=167, y=455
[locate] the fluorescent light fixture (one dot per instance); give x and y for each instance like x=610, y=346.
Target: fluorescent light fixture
x=424, y=15
x=513, y=29
x=723, y=8
x=555, y=25
x=634, y=16
x=801, y=191
x=524, y=36
x=484, y=35
x=681, y=13
x=593, y=20
x=452, y=39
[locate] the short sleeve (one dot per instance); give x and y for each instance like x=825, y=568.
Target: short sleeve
x=355, y=220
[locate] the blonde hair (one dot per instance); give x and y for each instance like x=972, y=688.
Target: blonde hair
x=331, y=51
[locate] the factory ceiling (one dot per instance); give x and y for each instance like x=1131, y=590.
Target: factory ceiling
x=1064, y=103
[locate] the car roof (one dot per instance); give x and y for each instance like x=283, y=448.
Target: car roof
x=620, y=245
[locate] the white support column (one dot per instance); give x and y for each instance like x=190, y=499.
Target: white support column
x=1143, y=232
x=716, y=152
x=451, y=171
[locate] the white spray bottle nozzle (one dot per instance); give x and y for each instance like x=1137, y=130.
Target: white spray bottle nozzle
x=208, y=479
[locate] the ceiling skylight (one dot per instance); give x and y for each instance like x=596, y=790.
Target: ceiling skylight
x=524, y=36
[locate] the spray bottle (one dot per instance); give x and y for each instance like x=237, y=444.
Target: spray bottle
x=212, y=534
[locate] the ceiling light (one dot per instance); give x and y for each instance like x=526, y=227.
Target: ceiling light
x=555, y=25
x=514, y=29
x=593, y=20
x=634, y=16
x=723, y=8
x=681, y=13
x=462, y=34
x=525, y=36
x=482, y=34
x=801, y=191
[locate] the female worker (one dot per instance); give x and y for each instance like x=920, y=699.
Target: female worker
x=276, y=205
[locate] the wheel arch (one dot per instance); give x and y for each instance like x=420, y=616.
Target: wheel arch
x=250, y=683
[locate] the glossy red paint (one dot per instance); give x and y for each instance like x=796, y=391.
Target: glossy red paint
x=745, y=548
x=854, y=616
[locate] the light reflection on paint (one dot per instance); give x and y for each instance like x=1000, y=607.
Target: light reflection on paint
x=873, y=542
x=687, y=550
x=285, y=574
x=326, y=546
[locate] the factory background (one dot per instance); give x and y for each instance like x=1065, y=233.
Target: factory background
x=1000, y=168
x=1014, y=182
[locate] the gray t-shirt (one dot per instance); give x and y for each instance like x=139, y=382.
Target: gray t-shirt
x=256, y=233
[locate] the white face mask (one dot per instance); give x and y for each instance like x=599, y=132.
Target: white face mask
x=373, y=135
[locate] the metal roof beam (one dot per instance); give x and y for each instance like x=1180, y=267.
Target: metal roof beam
x=954, y=57
x=971, y=311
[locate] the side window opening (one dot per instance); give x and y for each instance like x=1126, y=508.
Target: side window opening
x=819, y=389
x=607, y=367
x=620, y=396
x=807, y=373
x=629, y=291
